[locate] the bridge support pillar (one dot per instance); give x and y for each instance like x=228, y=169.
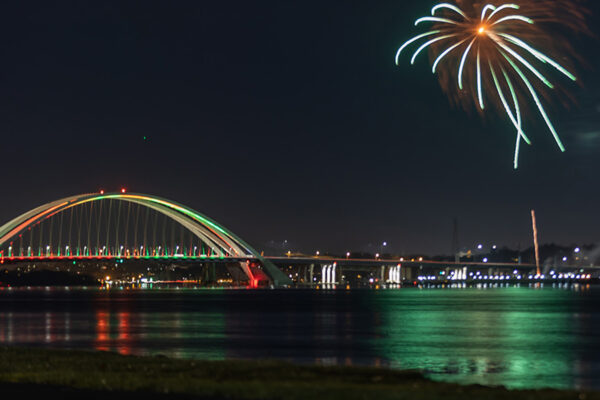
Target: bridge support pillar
x=210, y=273
x=394, y=274
x=406, y=273
x=460, y=274
x=333, y=274
x=329, y=274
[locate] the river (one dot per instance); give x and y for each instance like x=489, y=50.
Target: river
x=520, y=337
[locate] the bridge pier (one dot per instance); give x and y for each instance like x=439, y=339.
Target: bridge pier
x=333, y=275
x=394, y=275
x=210, y=273
x=406, y=274
x=329, y=274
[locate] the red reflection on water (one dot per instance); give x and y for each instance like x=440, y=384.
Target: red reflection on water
x=102, y=331
x=2, y=325
x=124, y=333
x=50, y=328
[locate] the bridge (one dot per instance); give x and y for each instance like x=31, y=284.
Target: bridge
x=331, y=270
x=114, y=227
x=125, y=226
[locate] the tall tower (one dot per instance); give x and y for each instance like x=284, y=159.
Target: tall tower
x=536, y=243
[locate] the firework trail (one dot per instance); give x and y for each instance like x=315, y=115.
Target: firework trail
x=490, y=54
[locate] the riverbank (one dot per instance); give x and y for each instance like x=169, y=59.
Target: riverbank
x=73, y=374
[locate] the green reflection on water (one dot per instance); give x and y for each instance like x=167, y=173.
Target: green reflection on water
x=516, y=337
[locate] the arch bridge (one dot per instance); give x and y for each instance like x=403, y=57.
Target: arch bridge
x=124, y=226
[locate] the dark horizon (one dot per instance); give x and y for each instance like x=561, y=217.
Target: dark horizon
x=283, y=121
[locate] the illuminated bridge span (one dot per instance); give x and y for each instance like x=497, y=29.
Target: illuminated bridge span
x=128, y=226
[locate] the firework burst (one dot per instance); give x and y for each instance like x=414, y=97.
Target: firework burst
x=491, y=51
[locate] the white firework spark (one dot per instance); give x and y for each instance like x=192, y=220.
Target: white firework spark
x=496, y=45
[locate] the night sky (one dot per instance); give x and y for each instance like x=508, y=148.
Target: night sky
x=283, y=120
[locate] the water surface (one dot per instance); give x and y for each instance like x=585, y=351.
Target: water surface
x=518, y=337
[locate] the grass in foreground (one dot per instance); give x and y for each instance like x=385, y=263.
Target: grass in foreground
x=119, y=376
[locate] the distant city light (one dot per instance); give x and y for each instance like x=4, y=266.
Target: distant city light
x=384, y=244
x=480, y=246
x=494, y=247
x=565, y=258
x=577, y=249
x=485, y=260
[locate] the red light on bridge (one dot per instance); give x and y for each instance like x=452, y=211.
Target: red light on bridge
x=102, y=192
x=123, y=190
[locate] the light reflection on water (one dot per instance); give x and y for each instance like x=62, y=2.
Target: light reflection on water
x=519, y=337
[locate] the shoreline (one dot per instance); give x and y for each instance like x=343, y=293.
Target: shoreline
x=74, y=374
